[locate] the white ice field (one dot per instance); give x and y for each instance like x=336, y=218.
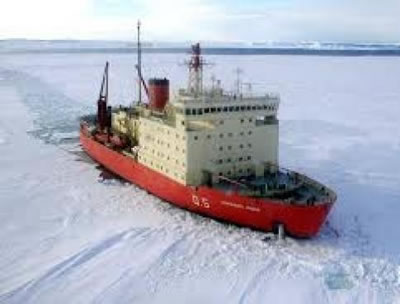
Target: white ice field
x=67, y=236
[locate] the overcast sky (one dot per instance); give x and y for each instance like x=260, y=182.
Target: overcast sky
x=220, y=20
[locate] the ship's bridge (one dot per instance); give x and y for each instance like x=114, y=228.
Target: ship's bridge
x=213, y=105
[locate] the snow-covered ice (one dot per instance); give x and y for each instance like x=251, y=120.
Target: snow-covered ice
x=67, y=236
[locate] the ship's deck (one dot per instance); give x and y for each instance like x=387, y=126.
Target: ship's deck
x=283, y=185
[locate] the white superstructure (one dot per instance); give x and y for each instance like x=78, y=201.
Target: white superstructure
x=199, y=138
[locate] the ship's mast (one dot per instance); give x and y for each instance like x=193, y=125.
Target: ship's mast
x=238, y=82
x=195, y=85
x=102, y=114
x=139, y=63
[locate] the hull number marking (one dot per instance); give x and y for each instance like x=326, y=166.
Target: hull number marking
x=200, y=201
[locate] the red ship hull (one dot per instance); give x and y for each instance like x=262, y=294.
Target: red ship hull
x=261, y=214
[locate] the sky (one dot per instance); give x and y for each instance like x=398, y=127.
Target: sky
x=210, y=20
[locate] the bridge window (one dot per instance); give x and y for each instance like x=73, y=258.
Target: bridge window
x=212, y=110
x=225, y=109
x=188, y=111
x=207, y=110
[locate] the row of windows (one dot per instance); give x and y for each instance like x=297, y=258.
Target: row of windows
x=241, y=146
x=202, y=111
x=161, y=130
x=160, y=167
x=177, y=148
x=222, y=135
x=239, y=171
x=165, y=156
x=229, y=160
